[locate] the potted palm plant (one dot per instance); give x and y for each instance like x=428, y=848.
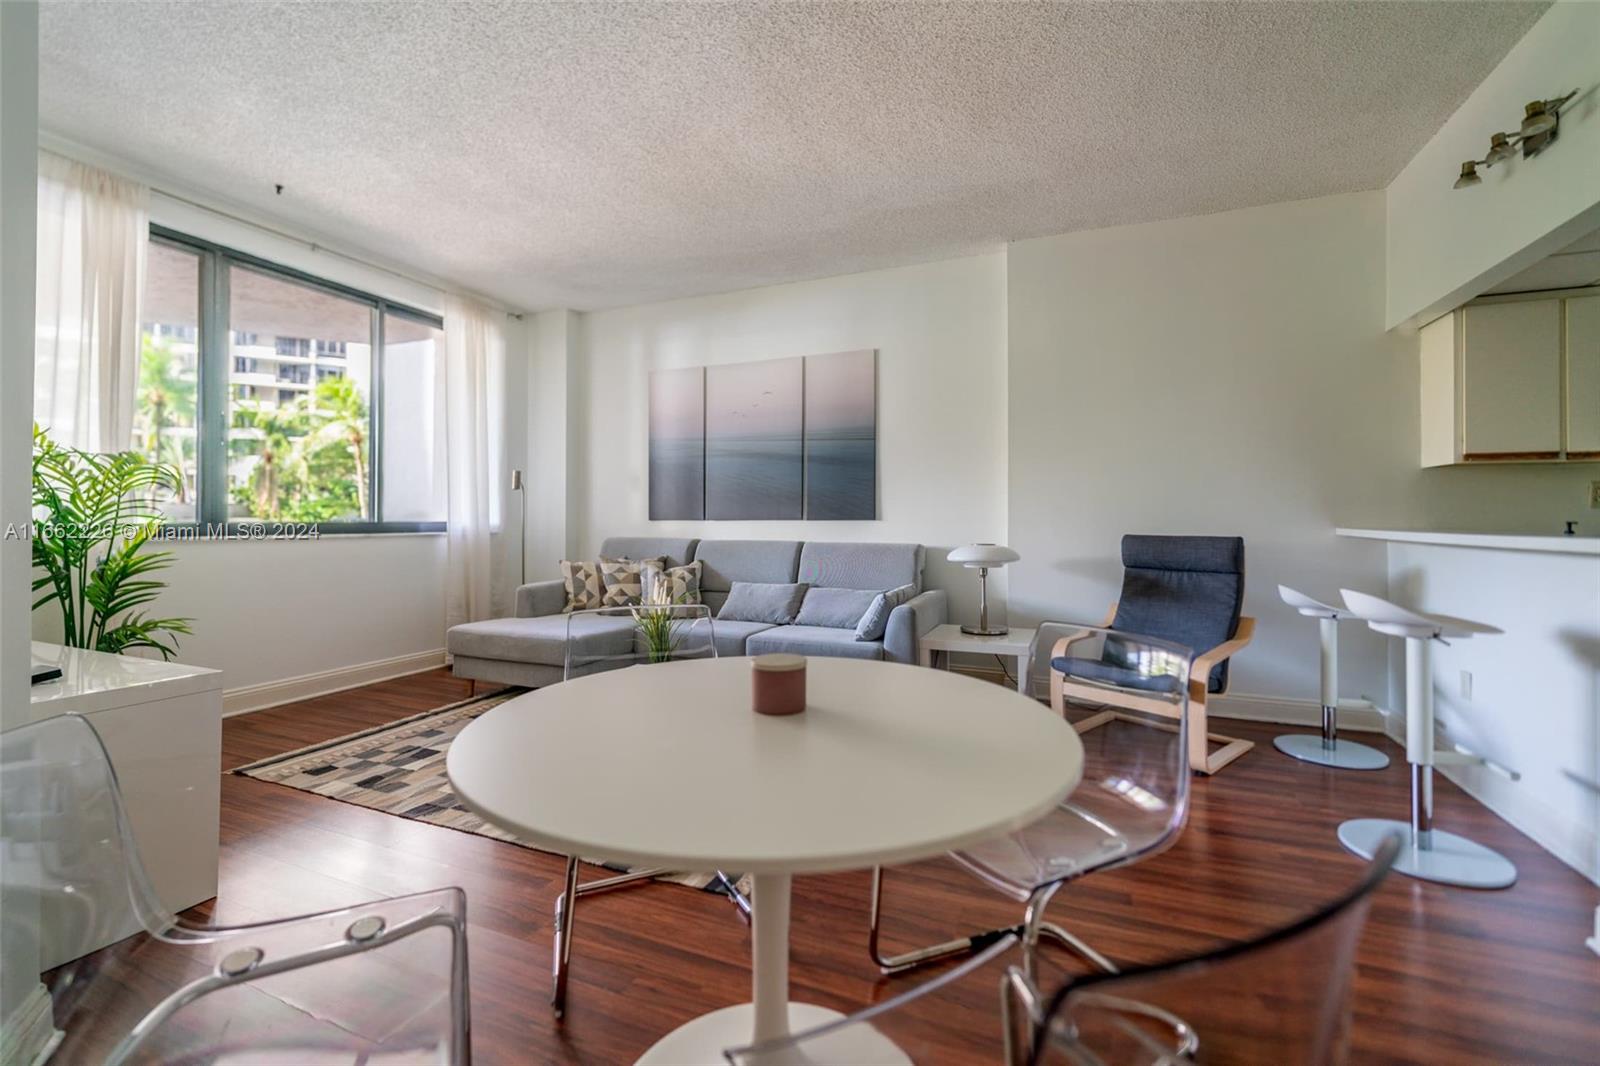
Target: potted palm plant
x=95, y=518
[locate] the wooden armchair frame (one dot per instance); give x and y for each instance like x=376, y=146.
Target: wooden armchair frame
x=1201, y=758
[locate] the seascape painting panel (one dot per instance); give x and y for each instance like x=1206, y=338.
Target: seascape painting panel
x=753, y=444
x=677, y=444
x=842, y=435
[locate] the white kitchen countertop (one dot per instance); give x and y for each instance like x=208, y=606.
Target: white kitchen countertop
x=1522, y=542
x=95, y=680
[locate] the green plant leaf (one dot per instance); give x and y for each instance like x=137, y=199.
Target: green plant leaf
x=97, y=516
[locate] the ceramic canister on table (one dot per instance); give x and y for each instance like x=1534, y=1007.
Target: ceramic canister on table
x=778, y=684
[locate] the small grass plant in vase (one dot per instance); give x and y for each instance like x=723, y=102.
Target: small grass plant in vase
x=658, y=619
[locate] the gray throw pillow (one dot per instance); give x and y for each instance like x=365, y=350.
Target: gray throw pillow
x=835, y=608
x=753, y=601
x=876, y=620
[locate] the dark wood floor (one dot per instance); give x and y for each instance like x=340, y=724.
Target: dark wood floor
x=1443, y=975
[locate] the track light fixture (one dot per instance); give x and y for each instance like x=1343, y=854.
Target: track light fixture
x=1541, y=121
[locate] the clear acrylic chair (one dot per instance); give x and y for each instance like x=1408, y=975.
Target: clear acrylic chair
x=1281, y=998
x=890, y=1032
x=130, y=981
x=613, y=638
x=1131, y=803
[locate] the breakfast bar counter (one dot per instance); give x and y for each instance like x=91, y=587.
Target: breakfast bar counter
x=1527, y=699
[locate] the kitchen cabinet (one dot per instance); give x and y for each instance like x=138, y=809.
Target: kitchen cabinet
x=1583, y=377
x=1512, y=379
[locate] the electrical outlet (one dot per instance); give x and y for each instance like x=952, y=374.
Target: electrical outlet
x=1466, y=685
x=1594, y=495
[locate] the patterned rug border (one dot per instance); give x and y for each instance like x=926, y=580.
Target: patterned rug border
x=255, y=771
x=309, y=749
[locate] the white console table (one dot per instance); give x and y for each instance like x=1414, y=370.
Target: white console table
x=162, y=724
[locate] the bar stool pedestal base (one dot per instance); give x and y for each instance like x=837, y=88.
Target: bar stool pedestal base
x=1453, y=860
x=1344, y=755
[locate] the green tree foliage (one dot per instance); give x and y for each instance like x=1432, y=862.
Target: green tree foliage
x=311, y=455
x=95, y=520
x=167, y=401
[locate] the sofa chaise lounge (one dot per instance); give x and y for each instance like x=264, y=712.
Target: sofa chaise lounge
x=529, y=649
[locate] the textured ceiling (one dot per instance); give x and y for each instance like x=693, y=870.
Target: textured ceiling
x=591, y=155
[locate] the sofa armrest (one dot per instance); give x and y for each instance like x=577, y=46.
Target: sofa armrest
x=910, y=621
x=540, y=598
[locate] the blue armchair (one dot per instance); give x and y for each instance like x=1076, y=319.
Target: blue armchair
x=1186, y=590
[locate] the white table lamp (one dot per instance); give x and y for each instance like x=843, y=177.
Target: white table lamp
x=981, y=557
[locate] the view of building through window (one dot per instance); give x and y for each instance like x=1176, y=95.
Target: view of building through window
x=299, y=427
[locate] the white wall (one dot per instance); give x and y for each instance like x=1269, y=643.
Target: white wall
x=1535, y=699
x=19, y=196
x=552, y=352
x=1227, y=374
x=268, y=612
x=1446, y=246
x=939, y=329
x=25, y=1021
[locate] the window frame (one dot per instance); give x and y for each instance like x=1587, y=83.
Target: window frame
x=212, y=399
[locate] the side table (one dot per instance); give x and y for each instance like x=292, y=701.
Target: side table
x=1017, y=644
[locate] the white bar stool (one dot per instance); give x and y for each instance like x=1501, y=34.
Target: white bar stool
x=1328, y=749
x=1434, y=855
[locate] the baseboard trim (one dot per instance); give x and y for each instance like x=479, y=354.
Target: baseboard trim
x=30, y=1034
x=1575, y=846
x=249, y=698
x=1355, y=716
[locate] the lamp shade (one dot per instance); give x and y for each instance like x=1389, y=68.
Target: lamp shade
x=1537, y=119
x=983, y=555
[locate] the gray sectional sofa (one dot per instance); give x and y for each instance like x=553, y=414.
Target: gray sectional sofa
x=529, y=649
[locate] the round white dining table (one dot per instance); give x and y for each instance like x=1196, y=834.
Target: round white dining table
x=666, y=765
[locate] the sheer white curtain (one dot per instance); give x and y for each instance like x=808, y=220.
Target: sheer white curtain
x=475, y=349
x=92, y=231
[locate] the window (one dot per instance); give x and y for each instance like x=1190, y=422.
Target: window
x=413, y=397
x=270, y=390
x=169, y=361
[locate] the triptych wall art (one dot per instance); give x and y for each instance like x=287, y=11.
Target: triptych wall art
x=785, y=438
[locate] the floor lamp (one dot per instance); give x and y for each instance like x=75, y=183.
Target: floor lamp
x=522, y=529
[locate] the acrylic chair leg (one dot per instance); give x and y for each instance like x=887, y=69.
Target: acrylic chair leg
x=1032, y=928
x=737, y=898
x=562, y=955
x=893, y=964
x=461, y=993
x=566, y=915
x=1032, y=923
x=1077, y=944
x=1019, y=1015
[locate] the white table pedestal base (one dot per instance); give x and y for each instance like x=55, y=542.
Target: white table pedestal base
x=771, y=1016
x=702, y=1041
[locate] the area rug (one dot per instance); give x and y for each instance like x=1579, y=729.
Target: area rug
x=399, y=768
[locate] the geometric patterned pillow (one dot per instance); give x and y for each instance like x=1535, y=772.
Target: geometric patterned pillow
x=624, y=586
x=682, y=583
x=582, y=582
